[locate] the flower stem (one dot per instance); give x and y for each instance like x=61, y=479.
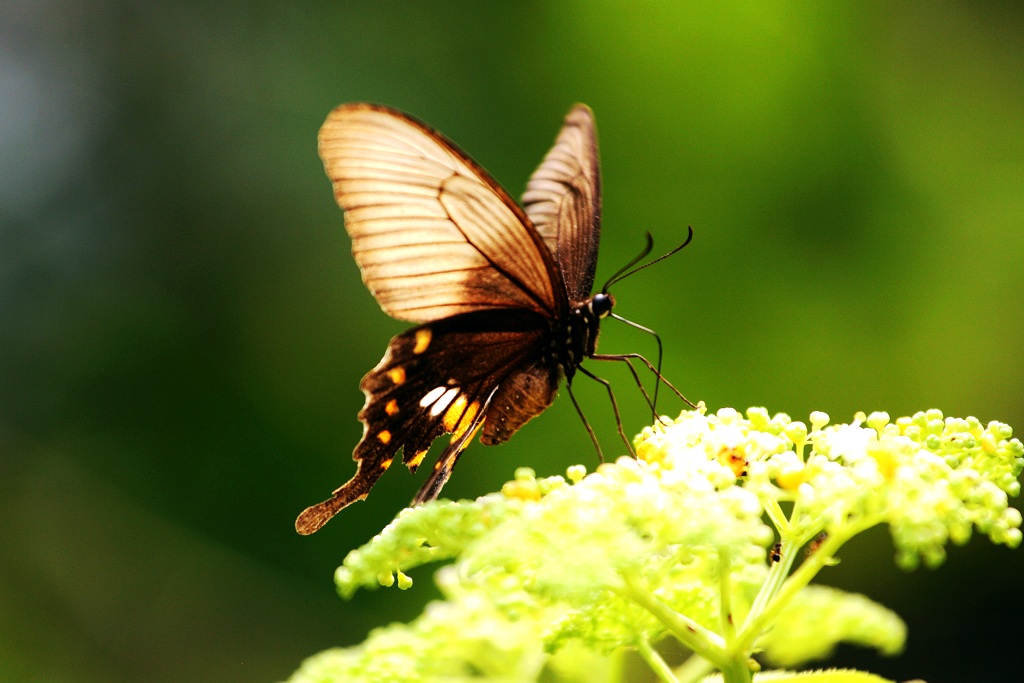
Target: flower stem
x=725, y=590
x=693, y=669
x=662, y=670
x=695, y=637
x=799, y=580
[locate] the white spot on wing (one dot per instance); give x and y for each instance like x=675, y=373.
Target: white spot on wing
x=444, y=401
x=431, y=396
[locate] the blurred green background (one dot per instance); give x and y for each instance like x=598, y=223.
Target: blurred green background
x=182, y=328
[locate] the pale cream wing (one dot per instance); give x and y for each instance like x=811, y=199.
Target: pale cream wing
x=433, y=234
x=563, y=199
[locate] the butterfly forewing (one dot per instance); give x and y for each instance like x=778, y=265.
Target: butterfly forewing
x=563, y=199
x=434, y=235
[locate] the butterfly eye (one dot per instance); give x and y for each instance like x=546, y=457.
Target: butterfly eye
x=602, y=304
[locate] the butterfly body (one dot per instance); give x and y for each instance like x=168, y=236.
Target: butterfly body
x=528, y=392
x=501, y=292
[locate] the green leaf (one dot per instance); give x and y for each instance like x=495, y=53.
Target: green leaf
x=820, y=617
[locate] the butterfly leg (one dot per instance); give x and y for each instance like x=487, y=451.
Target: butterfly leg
x=656, y=370
x=586, y=422
x=625, y=357
x=657, y=373
x=615, y=407
x=636, y=377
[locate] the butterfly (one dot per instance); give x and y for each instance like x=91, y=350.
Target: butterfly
x=501, y=293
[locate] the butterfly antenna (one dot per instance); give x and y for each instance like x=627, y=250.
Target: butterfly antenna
x=625, y=271
x=635, y=260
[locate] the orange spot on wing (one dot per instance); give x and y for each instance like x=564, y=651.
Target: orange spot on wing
x=397, y=375
x=384, y=465
x=422, y=340
x=459, y=417
x=392, y=407
x=415, y=461
x=456, y=411
x=384, y=436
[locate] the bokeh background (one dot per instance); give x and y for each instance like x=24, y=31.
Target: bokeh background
x=182, y=328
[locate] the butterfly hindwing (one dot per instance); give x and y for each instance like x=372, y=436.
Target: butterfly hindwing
x=450, y=376
x=523, y=395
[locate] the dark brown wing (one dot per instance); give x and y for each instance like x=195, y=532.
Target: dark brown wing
x=442, y=377
x=563, y=199
x=434, y=235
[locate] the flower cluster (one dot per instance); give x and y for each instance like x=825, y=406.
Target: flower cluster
x=931, y=479
x=696, y=539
